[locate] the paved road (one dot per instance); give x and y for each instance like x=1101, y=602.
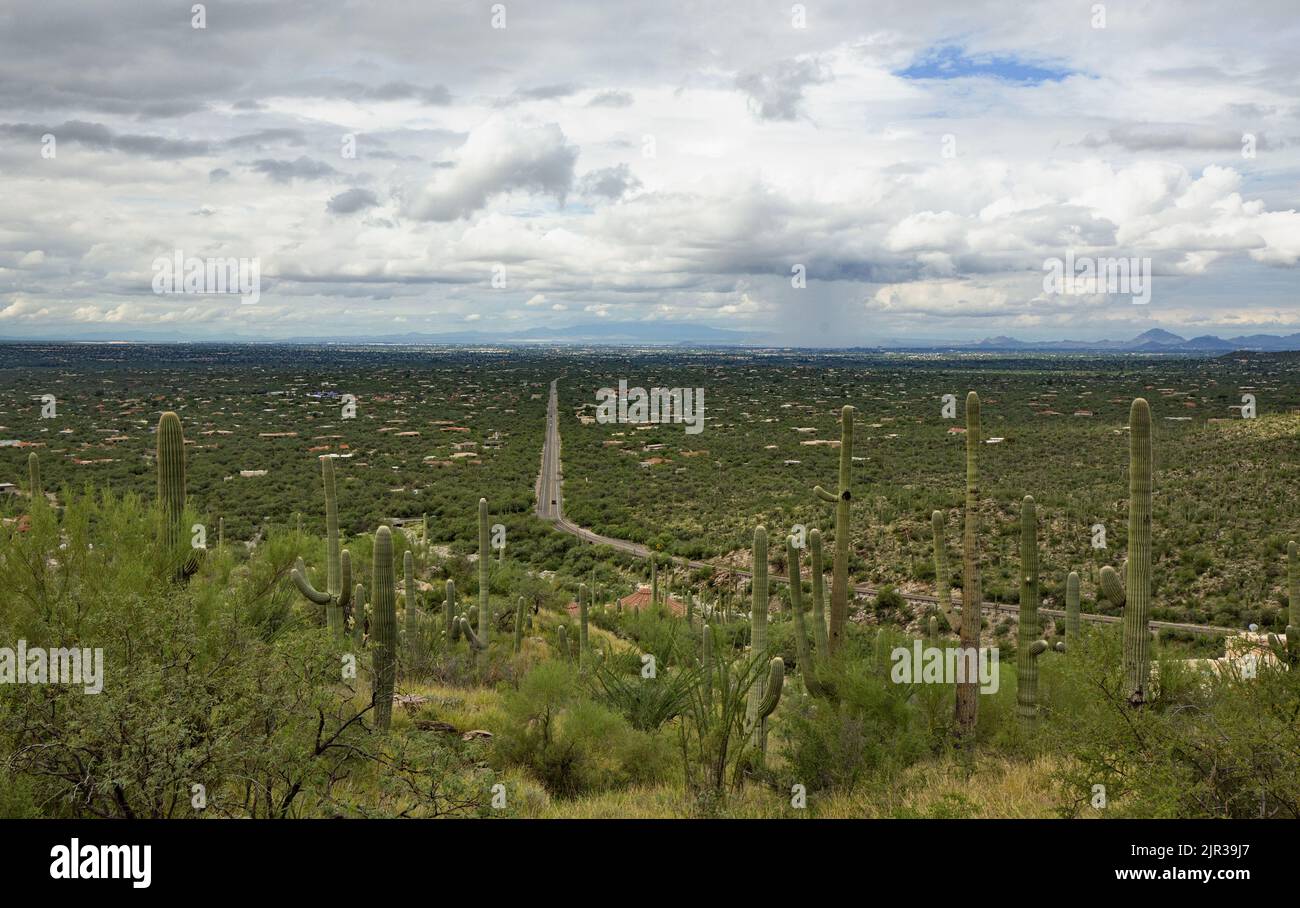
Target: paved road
x=550, y=507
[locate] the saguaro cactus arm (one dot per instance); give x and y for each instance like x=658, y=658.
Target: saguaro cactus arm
x=1112, y=587
x=299, y=577
x=772, y=689
x=476, y=643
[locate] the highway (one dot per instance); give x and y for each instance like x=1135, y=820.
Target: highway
x=550, y=507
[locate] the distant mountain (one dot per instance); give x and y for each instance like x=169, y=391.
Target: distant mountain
x=614, y=333
x=1156, y=340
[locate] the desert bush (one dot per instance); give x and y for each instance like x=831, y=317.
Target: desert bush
x=1206, y=746
x=570, y=743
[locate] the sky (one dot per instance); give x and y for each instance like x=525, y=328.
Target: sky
x=828, y=173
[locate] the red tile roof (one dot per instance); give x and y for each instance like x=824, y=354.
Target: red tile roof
x=641, y=600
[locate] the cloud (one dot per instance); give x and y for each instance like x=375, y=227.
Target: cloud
x=302, y=168
x=611, y=98
x=1172, y=137
x=100, y=138
x=609, y=182
x=352, y=200
x=776, y=93
x=497, y=158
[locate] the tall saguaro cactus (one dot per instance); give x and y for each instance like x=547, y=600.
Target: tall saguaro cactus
x=582, y=623
x=1028, y=645
x=942, y=582
x=1134, y=595
x=171, y=472
x=820, y=638
x=758, y=633
x=34, y=476
x=519, y=625
x=384, y=637
x=840, y=571
x=807, y=660
x=449, y=608
x=338, y=593
x=971, y=594
x=484, y=606
x=1293, y=600
x=1072, y=609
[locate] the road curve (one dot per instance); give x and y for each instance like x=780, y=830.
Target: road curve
x=550, y=507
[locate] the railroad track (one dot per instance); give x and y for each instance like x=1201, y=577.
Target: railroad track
x=550, y=507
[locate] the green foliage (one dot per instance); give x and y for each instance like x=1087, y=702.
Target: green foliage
x=646, y=703
x=571, y=743
x=1204, y=745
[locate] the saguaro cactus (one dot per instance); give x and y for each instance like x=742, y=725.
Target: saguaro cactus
x=820, y=638
x=1072, y=609
x=807, y=660
x=519, y=625
x=1293, y=601
x=358, y=615
x=942, y=582
x=654, y=581
x=706, y=664
x=1028, y=645
x=840, y=571
x=221, y=533
x=384, y=638
x=171, y=472
x=758, y=633
x=772, y=684
x=562, y=642
x=582, y=622
x=971, y=593
x=338, y=570
x=1134, y=595
x=34, y=476
x=484, y=606
x=449, y=607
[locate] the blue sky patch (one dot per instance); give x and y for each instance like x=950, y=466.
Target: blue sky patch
x=952, y=62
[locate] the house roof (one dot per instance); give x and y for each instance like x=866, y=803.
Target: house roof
x=641, y=600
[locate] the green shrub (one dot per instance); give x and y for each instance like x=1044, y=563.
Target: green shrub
x=572, y=744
